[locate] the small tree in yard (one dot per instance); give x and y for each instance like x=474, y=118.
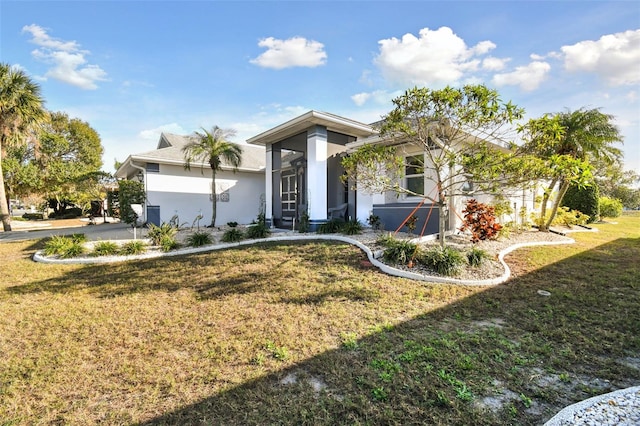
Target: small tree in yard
x=459, y=136
x=213, y=148
x=129, y=192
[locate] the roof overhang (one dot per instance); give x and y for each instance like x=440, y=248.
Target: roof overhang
x=301, y=123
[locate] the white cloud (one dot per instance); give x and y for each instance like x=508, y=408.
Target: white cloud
x=494, y=64
x=527, y=77
x=68, y=61
x=377, y=96
x=632, y=96
x=154, y=134
x=293, y=52
x=434, y=58
x=614, y=57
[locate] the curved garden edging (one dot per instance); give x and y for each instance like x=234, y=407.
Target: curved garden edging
x=39, y=257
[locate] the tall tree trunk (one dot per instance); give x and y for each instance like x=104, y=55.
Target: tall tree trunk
x=543, y=208
x=214, y=196
x=564, y=186
x=4, y=205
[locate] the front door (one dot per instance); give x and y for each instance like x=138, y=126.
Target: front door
x=289, y=193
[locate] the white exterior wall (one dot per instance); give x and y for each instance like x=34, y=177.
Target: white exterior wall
x=187, y=194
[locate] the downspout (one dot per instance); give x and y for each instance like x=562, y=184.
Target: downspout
x=144, y=183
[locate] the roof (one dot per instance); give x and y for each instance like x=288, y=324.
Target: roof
x=169, y=151
x=301, y=123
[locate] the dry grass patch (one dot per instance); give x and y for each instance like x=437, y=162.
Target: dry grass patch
x=303, y=334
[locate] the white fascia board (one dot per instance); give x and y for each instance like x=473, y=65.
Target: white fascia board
x=296, y=125
x=193, y=165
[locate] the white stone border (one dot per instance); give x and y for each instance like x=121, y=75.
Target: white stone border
x=567, y=413
x=39, y=257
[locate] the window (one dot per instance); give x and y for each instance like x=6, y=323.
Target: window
x=153, y=167
x=414, y=174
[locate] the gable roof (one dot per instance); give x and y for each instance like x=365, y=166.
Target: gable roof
x=298, y=124
x=169, y=151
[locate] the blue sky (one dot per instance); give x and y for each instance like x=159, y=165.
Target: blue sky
x=132, y=69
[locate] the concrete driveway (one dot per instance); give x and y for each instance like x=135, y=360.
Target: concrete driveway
x=110, y=230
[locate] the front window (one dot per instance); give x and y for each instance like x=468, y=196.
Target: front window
x=414, y=174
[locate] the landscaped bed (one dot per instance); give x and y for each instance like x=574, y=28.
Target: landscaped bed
x=303, y=333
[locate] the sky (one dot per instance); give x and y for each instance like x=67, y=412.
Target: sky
x=133, y=69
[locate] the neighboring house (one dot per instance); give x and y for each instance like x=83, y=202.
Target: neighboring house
x=303, y=170
x=173, y=190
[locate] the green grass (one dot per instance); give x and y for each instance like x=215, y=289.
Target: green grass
x=303, y=334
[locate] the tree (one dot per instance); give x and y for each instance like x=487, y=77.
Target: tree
x=453, y=137
x=69, y=156
x=212, y=147
x=567, y=142
x=21, y=109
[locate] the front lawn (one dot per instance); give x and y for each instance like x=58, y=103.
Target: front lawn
x=308, y=334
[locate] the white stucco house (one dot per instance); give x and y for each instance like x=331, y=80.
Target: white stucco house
x=173, y=190
x=303, y=169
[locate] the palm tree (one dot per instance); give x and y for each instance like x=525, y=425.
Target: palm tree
x=21, y=109
x=212, y=147
x=588, y=134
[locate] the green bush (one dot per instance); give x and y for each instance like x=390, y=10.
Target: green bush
x=330, y=227
x=33, y=216
x=63, y=247
x=303, y=223
x=399, y=251
x=352, y=227
x=232, y=235
x=568, y=217
x=232, y=224
x=258, y=230
x=168, y=243
x=445, y=261
x=105, y=248
x=159, y=233
x=584, y=200
x=133, y=247
x=199, y=239
x=476, y=256
x=610, y=207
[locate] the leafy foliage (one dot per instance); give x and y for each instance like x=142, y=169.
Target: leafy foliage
x=444, y=260
x=304, y=223
x=64, y=247
x=610, y=207
x=374, y=221
x=105, y=248
x=351, y=227
x=399, y=251
x=232, y=235
x=199, y=239
x=330, y=227
x=476, y=256
x=133, y=247
x=480, y=219
x=258, y=230
x=158, y=234
x=129, y=192
x=583, y=199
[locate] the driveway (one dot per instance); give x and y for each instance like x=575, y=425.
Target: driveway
x=111, y=230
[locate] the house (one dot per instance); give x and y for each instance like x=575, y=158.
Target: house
x=303, y=173
x=172, y=190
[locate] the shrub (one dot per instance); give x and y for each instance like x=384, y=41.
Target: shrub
x=168, y=243
x=64, y=247
x=33, y=216
x=199, y=239
x=303, y=223
x=352, y=227
x=330, y=227
x=386, y=240
x=79, y=238
x=610, y=207
x=480, y=219
x=374, y=222
x=232, y=224
x=258, y=230
x=445, y=261
x=133, y=247
x=400, y=251
x=584, y=200
x=105, y=248
x=567, y=217
x=159, y=233
x=476, y=256
x=232, y=235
